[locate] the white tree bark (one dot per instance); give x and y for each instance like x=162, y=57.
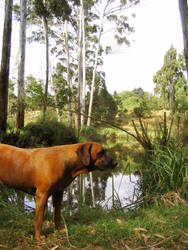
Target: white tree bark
x=21, y=65
x=81, y=65
x=45, y=25
x=69, y=82
x=84, y=67
x=53, y=88
x=95, y=70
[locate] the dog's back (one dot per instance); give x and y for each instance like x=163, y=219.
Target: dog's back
x=14, y=167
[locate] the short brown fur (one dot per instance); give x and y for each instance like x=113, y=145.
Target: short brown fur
x=47, y=171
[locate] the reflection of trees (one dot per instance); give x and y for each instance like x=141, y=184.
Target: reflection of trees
x=99, y=183
x=118, y=151
x=72, y=193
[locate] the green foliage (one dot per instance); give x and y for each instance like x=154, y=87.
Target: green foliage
x=40, y=134
x=35, y=96
x=143, y=108
x=52, y=8
x=136, y=102
x=181, y=100
x=62, y=90
x=129, y=100
x=104, y=106
x=170, y=78
x=48, y=133
x=165, y=171
x=50, y=116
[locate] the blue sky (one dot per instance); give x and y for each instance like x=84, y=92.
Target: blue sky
x=157, y=27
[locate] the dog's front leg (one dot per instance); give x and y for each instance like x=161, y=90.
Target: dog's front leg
x=57, y=199
x=41, y=200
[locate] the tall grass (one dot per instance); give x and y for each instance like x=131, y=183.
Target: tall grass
x=166, y=170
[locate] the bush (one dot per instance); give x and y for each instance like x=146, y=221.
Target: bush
x=39, y=134
x=48, y=133
x=12, y=138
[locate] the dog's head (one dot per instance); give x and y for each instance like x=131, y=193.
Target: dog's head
x=94, y=156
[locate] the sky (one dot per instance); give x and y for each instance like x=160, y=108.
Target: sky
x=157, y=27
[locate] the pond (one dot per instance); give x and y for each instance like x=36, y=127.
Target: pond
x=125, y=188
x=118, y=190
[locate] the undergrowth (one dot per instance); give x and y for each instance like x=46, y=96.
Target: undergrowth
x=148, y=228
x=165, y=170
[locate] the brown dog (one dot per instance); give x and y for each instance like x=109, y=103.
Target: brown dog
x=47, y=171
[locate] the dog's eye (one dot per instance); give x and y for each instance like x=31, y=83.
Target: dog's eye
x=101, y=153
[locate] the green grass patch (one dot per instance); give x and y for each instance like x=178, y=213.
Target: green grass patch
x=159, y=226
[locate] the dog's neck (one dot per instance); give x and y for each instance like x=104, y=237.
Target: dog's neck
x=76, y=172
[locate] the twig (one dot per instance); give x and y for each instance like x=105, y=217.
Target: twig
x=155, y=245
x=161, y=242
x=67, y=233
x=133, y=204
x=170, y=130
x=144, y=132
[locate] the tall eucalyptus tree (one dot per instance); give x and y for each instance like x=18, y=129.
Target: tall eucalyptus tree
x=113, y=12
x=47, y=10
x=170, y=78
x=5, y=61
x=21, y=65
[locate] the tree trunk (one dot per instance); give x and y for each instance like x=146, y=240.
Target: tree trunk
x=45, y=24
x=68, y=74
x=21, y=65
x=92, y=87
x=82, y=101
x=183, y=8
x=95, y=71
x=53, y=89
x=5, y=61
x=81, y=67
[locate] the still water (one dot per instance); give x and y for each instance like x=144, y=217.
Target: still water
x=116, y=190
x=126, y=190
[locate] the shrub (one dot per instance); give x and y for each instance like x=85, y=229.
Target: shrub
x=38, y=134
x=48, y=133
x=12, y=138
x=166, y=171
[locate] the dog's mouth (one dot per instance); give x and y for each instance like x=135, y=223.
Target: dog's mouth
x=111, y=165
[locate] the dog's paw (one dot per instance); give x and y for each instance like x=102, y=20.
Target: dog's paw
x=40, y=237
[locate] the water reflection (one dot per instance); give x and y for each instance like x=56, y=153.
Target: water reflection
x=126, y=190
x=109, y=190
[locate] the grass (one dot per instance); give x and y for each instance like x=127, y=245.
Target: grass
x=144, y=228
x=166, y=170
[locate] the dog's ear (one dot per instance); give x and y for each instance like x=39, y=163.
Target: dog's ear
x=84, y=153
